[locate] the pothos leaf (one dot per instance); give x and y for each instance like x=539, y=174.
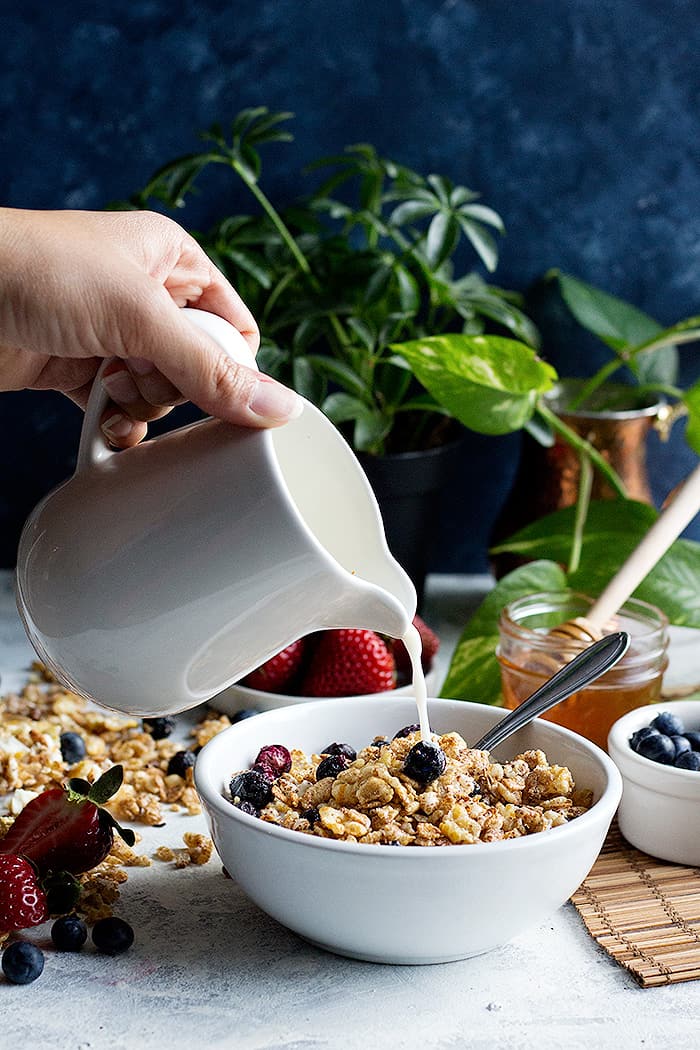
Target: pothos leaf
x=489, y=384
x=474, y=672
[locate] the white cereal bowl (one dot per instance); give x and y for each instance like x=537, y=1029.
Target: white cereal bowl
x=409, y=904
x=660, y=808
x=241, y=697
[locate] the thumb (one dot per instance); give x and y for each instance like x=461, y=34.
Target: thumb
x=206, y=375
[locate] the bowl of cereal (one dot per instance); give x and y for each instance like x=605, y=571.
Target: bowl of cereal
x=304, y=803
x=657, y=750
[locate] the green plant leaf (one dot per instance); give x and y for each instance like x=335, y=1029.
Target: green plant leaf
x=272, y=359
x=441, y=239
x=341, y=373
x=307, y=381
x=691, y=399
x=106, y=785
x=474, y=672
x=410, y=211
x=622, y=327
x=673, y=585
x=341, y=408
x=482, y=242
x=379, y=282
x=371, y=429
x=409, y=294
x=616, y=322
x=488, y=383
x=480, y=213
x=613, y=529
x=609, y=524
x=250, y=263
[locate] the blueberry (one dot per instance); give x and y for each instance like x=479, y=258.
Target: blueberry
x=248, y=807
x=112, y=936
x=379, y=742
x=681, y=744
x=181, y=762
x=406, y=731
x=312, y=815
x=69, y=933
x=341, y=749
x=693, y=739
x=425, y=762
x=62, y=892
x=72, y=748
x=246, y=712
x=669, y=724
x=22, y=962
x=159, y=728
x=273, y=759
x=252, y=786
x=658, y=748
x=688, y=760
x=640, y=735
x=331, y=766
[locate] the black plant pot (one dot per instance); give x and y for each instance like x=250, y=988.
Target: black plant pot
x=407, y=486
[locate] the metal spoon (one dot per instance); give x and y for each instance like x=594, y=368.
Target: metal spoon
x=581, y=671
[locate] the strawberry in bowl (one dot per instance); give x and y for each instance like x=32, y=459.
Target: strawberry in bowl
x=332, y=663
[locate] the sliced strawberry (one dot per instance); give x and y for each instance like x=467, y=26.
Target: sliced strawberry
x=349, y=662
x=22, y=900
x=275, y=675
x=64, y=829
x=431, y=644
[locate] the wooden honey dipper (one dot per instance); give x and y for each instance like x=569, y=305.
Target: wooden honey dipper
x=667, y=528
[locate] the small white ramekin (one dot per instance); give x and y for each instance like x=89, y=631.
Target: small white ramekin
x=660, y=808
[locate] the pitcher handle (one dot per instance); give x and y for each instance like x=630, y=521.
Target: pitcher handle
x=93, y=448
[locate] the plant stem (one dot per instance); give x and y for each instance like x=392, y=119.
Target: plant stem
x=296, y=252
x=691, y=336
x=299, y=257
x=608, y=369
x=583, y=502
x=581, y=445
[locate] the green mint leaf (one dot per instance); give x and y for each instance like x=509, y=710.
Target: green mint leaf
x=107, y=785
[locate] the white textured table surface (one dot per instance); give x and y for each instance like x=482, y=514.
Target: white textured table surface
x=209, y=969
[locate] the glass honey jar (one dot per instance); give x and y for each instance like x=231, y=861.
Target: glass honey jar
x=528, y=654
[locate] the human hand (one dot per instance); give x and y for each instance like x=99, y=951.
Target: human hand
x=77, y=287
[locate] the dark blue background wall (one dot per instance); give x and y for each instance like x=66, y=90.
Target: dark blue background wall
x=578, y=121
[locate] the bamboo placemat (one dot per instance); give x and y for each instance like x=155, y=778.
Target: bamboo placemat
x=644, y=912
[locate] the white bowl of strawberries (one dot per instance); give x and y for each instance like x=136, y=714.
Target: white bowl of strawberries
x=349, y=662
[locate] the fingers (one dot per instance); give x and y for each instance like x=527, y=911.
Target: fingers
x=123, y=431
x=220, y=298
x=200, y=371
x=140, y=394
x=139, y=388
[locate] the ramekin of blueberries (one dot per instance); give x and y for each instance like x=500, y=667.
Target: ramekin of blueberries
x=657, y=750
x=666, y=740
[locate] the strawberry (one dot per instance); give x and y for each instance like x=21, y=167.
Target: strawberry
x=347, y=662
x=22, y=900
x=431, y=644
x=276, y=673
x=64, y=829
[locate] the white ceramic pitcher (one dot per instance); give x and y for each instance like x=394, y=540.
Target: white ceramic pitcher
x=158, y=575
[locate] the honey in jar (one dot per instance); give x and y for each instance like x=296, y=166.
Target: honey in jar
x=528, y=655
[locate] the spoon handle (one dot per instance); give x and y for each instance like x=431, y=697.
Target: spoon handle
x=581, y=671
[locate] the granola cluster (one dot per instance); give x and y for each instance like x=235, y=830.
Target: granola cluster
x=31, y=724
x=474, y=800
